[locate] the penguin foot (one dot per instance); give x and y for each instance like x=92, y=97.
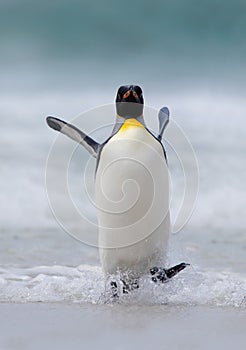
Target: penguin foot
x=129, y=286
x=159, y=274
x=114, y=290
x=122, y=287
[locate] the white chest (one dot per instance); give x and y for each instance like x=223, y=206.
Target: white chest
x=132, y=198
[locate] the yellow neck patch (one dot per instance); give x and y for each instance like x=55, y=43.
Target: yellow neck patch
x=130, y=123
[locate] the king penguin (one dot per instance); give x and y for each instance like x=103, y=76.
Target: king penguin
x=131, y=192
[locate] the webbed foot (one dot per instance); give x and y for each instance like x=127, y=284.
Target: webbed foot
x=122, y=287
x=159, y=274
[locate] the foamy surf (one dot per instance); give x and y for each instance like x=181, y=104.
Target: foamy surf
x=86, y=284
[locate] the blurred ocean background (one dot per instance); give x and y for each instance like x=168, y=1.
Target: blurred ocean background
x=62, y=58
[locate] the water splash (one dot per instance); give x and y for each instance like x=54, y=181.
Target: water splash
x=86, y=284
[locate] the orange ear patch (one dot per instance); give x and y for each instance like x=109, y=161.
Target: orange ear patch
x=126, y=94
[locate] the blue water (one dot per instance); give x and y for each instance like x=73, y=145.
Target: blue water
x=172, y=44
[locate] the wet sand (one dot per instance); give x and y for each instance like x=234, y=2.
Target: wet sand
x=86, y=326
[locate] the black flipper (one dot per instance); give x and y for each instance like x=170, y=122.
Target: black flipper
x=159, y=274
x=163, y=121
x=75, y=134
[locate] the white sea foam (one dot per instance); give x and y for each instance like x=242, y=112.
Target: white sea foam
x=86, y=284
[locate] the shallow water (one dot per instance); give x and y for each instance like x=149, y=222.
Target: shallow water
x=120, y=327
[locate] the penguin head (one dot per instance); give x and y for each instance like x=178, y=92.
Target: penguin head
x=129, y=101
